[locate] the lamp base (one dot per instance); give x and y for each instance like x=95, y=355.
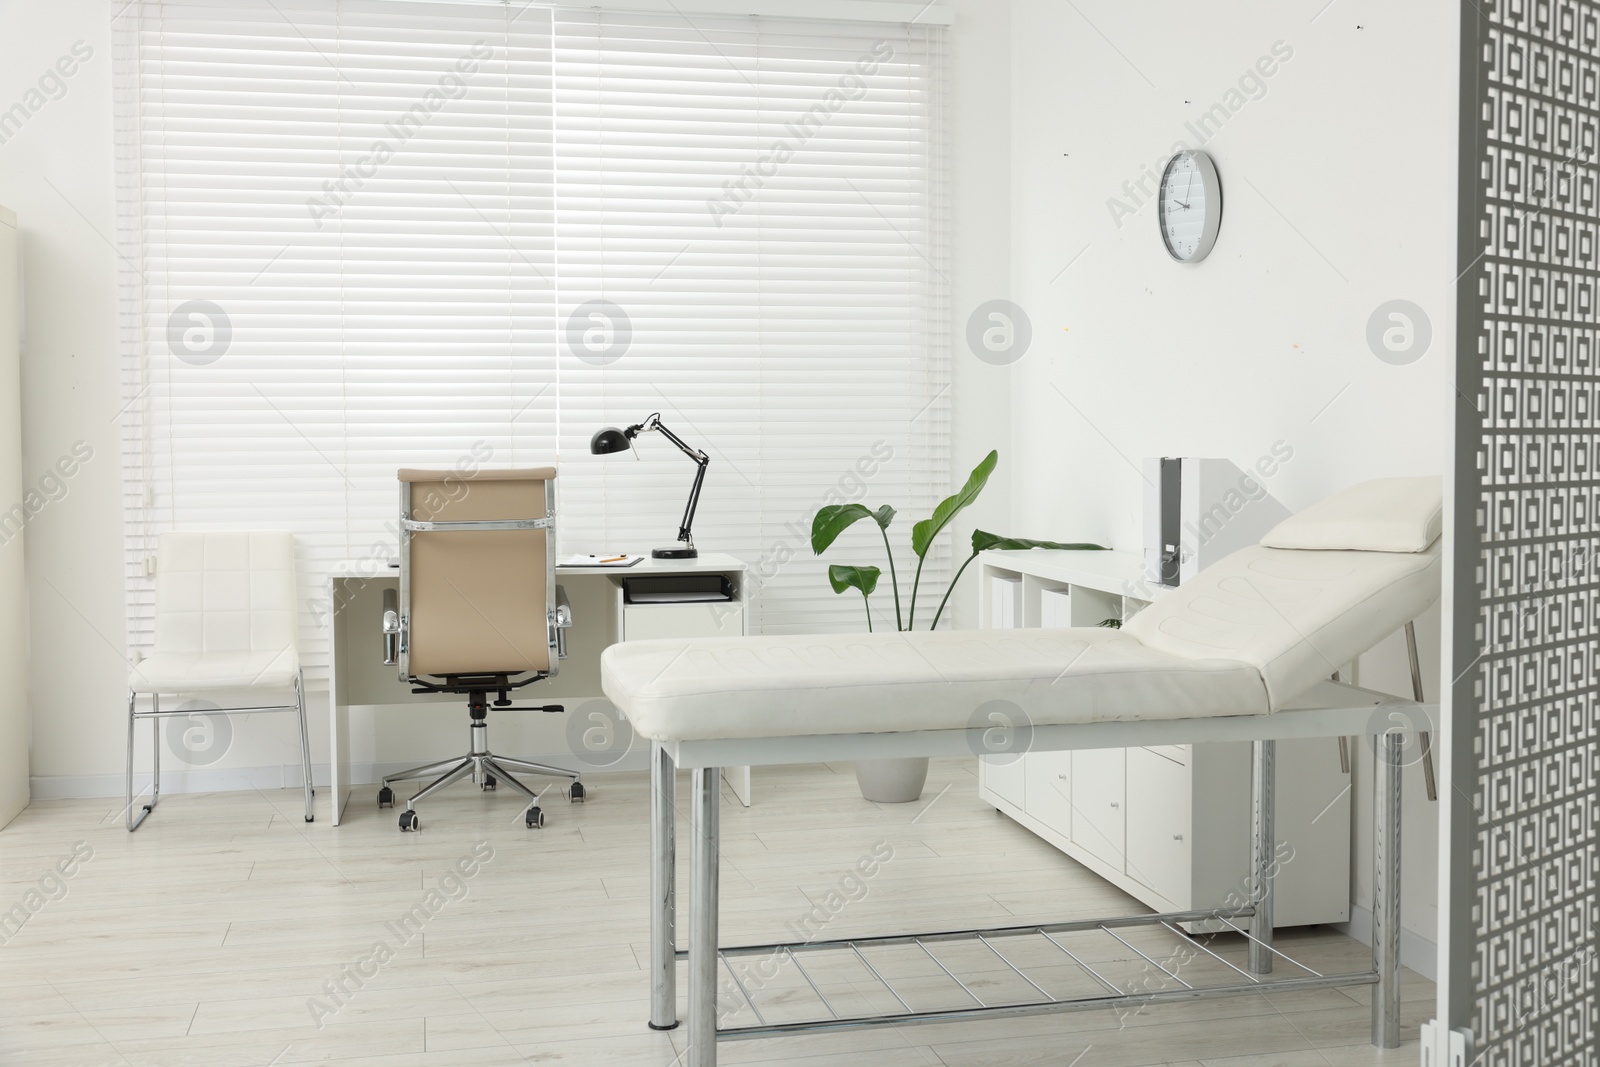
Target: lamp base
x=676, y=552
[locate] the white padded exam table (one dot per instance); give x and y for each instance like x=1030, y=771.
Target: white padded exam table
x=1242, y=652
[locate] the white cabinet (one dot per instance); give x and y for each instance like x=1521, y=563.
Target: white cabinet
x=693, y=619
x=1170, y=824
x=14, y=726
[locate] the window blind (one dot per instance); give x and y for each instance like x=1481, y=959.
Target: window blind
x=358, y=236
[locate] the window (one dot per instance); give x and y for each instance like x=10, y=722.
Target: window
x=364, y=235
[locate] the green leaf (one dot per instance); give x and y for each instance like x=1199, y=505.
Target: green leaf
x=835, y=519
x=923, y=533
x=1110, y=624
x=983, y=542
x=850, y=577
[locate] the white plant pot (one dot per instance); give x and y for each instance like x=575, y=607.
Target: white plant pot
x=892, y=781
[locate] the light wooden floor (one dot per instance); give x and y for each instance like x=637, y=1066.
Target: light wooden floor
x=207, y=937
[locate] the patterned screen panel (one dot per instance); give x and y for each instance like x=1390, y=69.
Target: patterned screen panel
x=1527, y=766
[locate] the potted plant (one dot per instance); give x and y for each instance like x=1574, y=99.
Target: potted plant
x=901, y=780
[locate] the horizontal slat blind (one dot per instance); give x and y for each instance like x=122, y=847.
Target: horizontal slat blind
x=365, y=235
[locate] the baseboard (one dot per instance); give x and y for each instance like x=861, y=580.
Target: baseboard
x=185, y=780
x=243, y=779
x=1416, y=951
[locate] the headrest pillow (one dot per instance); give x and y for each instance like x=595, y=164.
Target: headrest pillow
x=1384, y=515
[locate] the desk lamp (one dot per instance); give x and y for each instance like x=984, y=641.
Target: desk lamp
x=611, y=440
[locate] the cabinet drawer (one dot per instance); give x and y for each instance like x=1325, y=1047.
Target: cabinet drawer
x=1048, y=789
x=1160, y=804
x=1099, y=825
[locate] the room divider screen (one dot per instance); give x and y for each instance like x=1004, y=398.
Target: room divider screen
x=1524, y=830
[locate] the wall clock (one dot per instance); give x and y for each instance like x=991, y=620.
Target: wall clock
x=1190, y=206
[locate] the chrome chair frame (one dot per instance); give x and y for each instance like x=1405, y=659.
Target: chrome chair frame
x=155, y=715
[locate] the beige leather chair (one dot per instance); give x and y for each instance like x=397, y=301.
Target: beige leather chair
x=478, y=612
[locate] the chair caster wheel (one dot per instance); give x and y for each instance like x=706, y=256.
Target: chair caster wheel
x=488, y=783
x=385, y=798
x=534, y=818
x=408, y=821
x=576, y=793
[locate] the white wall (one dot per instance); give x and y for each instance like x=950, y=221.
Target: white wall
x=56, y=172
x=980, y=268
x=14, y=720
x=1339, y=179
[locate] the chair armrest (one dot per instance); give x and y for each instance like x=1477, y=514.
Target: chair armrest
x=391, y=627
x=560, y=620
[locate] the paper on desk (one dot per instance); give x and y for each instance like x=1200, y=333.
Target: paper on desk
x=599, y=561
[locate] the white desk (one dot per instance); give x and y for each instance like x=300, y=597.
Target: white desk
x=357, y=676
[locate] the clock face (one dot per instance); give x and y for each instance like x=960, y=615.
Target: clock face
x=1190, y=206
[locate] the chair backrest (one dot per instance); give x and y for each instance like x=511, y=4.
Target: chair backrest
x=225, y=592
x=477, y=601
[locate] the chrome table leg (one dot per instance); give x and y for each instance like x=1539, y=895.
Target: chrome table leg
x=1424, y=737
x=1263, y=853
x=663, y=891
x=702, y=1051
x=1388, y=752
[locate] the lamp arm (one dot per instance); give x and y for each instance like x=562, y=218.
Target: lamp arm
x=702, y=461
x=693, y=453
x=694, y=502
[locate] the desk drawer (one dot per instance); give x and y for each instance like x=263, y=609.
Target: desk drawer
x=642, y=622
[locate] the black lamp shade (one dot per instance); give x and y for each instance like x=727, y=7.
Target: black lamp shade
x=609, y=440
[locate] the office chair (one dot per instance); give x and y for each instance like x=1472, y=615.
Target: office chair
x=478, y=612
x=224, y=620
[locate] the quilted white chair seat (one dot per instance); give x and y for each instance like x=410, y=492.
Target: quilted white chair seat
x=191, y=672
